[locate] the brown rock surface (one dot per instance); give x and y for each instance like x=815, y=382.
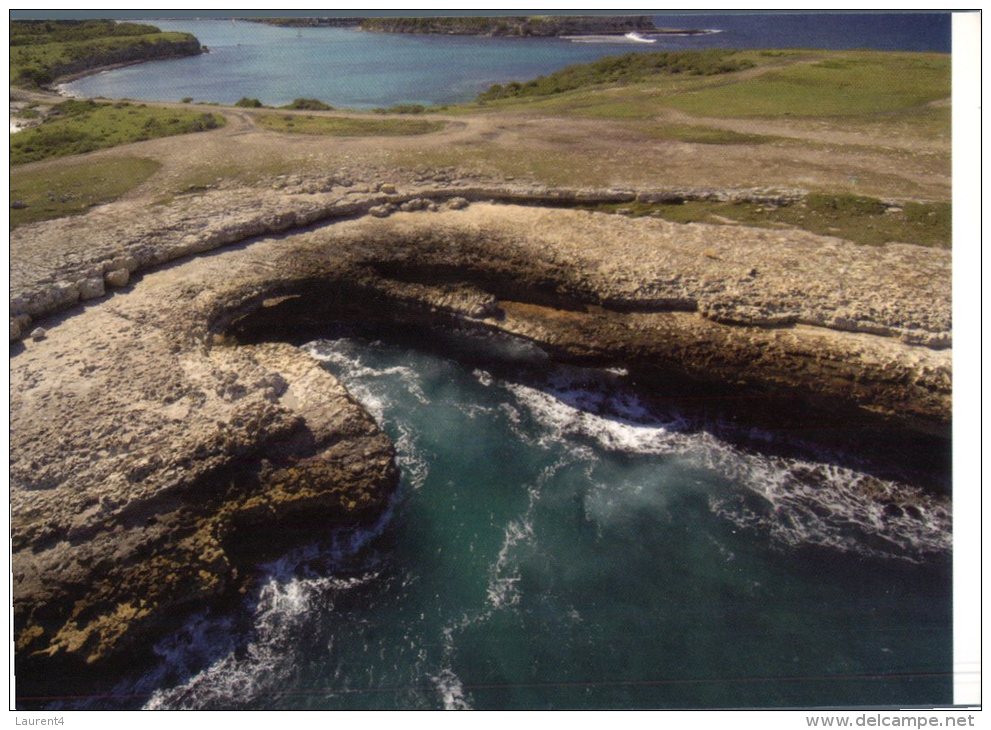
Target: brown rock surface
x=152, y=461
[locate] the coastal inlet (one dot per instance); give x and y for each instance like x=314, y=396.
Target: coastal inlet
x=556, y=543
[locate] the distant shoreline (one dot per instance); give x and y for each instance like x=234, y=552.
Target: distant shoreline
x=502, y=26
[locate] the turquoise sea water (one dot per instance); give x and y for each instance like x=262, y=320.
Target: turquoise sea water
x=558, y=544
x=349, y=68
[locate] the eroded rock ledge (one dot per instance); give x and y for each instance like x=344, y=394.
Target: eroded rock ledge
x=56, y=264
x=163, y=441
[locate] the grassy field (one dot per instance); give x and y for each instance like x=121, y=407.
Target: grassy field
x=347, y=126
x=863, y=220
x=74, y=187
x=849, y=86
x=637, y=134
x=74, y=127
x=852, y=84
x=698, y=134
x=40, y=51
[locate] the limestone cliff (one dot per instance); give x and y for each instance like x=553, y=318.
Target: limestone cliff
x=166, y=440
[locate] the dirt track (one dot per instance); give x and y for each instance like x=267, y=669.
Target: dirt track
x=814, y=154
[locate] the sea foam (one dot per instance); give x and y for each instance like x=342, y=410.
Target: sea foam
x=796, y=502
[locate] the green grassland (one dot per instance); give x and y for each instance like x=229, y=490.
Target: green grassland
x=774, y=101
x=74, y=127
x=855, y=84
x=347, y=126
x=74, y=187
x=732, y=84
x=40, y=51
x=860, y=219
x=700, y=134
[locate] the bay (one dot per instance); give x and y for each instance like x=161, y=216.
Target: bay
x=346, y=67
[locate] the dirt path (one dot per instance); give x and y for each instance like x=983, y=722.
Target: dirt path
x=874, y=158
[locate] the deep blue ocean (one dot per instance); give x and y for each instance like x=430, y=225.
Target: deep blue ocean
x=349, y=68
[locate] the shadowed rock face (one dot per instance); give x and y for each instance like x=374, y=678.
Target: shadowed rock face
x=166, y=439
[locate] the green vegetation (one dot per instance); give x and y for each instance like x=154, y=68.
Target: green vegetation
x=402, y=109
x=249, y=103
x=308, y=104
x=854, y=83
x=74, y=127
x=41, y=51
x=851, y=84
x=74, y=187
x=627, y=69
x=520, y=25
x=863, y=220
x=347, y=126
x=33, y=32
x=696, y=134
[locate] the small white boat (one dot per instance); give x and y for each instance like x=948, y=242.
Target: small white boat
x=637, y=38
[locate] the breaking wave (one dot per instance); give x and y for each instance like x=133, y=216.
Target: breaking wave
x=565, y=428
x=797, y=502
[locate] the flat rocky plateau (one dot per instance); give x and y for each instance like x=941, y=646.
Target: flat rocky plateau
x=167, y=435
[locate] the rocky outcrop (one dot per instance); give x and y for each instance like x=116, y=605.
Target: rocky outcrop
x=55, y=264
x=174, y=471
x=152, y=49
x=165, y=441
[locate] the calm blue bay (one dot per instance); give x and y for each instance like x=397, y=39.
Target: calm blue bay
x=350, y=68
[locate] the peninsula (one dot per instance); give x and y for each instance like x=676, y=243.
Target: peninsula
x=44, y=51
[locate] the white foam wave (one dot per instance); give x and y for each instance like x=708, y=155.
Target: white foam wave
x=412, y=462
x=503, y=587
x=504, y=575
x=483, y=377
x=798, y=502
x=261, y=668
x=368, y=385
x=572, y=413
x=344, y=355
x=451, y=690
x=295, y=585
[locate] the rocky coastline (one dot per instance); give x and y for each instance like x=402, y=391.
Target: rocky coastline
x=166, y=435
x=127, y=56
x=96, y=61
